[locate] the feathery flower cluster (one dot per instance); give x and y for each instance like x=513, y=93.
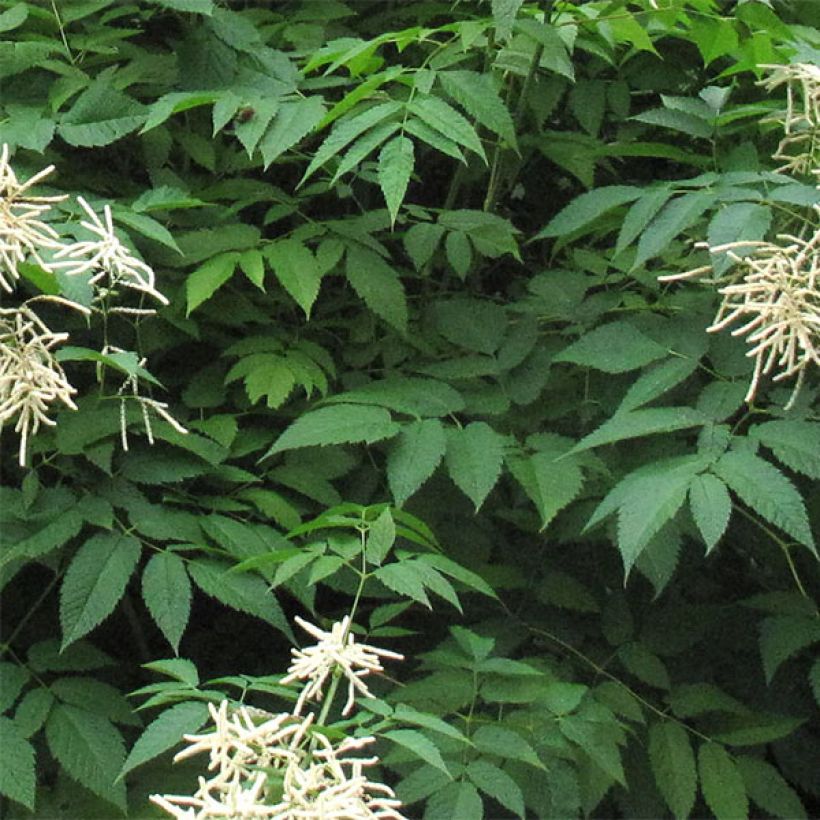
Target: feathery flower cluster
x=284, y=767
x=800, y=146
x=30, y=377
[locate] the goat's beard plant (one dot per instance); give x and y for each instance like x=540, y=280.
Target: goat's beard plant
x=284, y=766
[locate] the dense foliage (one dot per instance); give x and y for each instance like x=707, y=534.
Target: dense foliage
x=379, y=309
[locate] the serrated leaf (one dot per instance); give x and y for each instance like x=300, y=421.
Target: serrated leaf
x=296, y=269
x=498, y=784
x=474, y=457
x=95, y=581
x=337, y=424
x=419, y=129
x=795, y=443
x=768, y=492
x=586, y=209
x=96, y=696
x=766, y=787
x=738, y=221
x=208, y=278
x=101, y=115
x=165, y=732
x=722, y=783
x=477, y=95
x=293, y=121
x=550, y=484
x=640, y=215
x=17, y=778
x=378, y=285
x=594, y=739
x=474, y=324
x=12, y=680
x=380, y=537
x=396, y=161
x=659, y=558
x=404, y=578
x=32, y=711
x=675, y=120
x=249, y=131
x=506, y=744
x=656, y=381
x=180, y=669
x=711, y=508
x=51, y=535
x=691, y=700
x=420, y=745
x=442, y=117
x=456, y=799
x=783, y=636
x=673, y=764
x=421, y=241
x=753, y=729
x=616, y=347
x=166, y=590
x=253, y=266
x=89, y=748
x=645, y=421
x=644, y=665
x=414, y=456
x=467, y=577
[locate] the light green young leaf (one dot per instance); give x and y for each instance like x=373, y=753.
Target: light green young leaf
x=180, y=669
x=293, y=121
x=95, y=581
x=166, y=590
x=253, y=266
x=208, y=278
x=711, y=508
x=585, y=210
x=722, y=783
x=678, y=215
x=338, y=424
x=296, y=269
x=673, y=764
x=795, y=443
x=414, y=456
x=165, y=732
x=443, y=118
x=498, y=784
x=766, y=787
x=645, y=421
x=89, y=748
x=768, y=492
x=783, y=636
x=474, y=457
x=419, y=745
x=17, y=778
x=396, y=160
x=614, y=348
x=13, y=18
x=477, y=94
x=378, y=285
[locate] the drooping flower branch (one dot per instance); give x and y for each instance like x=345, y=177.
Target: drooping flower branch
x=284, y=766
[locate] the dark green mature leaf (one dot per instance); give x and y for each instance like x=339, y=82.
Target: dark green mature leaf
x=711, y=508
x=51, y=535
x=338, y=424
x=101, y=115
x=753, y=729
x=457, y=799
x=783, y=636
x=768, y=492
x=475, y=454
x=89, y=748
x=795, y=443
x=17, y=778
x=296, y=269
x=584, y=211
x=293, y=121
x=766, y=787
x=473, y=324
x=495, y=782
x=396, y=161
x=414, y=456
x=166, y=590
x=596, y=742
x=95, y=581
x=165, y=732
x=722, y=783
x=641, y=214
x=673, y=764
x=378, y=285
x=419, y=745
x=551, y=484
x=642, y=422
x=12, y=680
x=616, y=347
x=407, y=395
x=208, y=278
x=656, y=381
x=738, y=221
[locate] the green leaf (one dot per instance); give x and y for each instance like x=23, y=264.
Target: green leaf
x=783, y=636
x=678, y=215
x=561, y=697
x=96, y=696
x=768, y=492
x=640, y=215
x=474, y=457
x=443, y=118
x=673, y=764
x=205, y=7
x=405, y=579
x=51, y=535
x=169, y=104
x=656, y=381
x=419, y=745
x=46, y=656
x=566, y=592
x=380, y=537
x=506, y=744
x=89, y=748
x=396, y=160
x=722, y=783
x=766, y=787
x=338, y=424
x=167, y=594
x=644, y=665
x=208, y=278
x=253, y=266
x=675, y=120
x=550, y=484
x=410, y=396
x=243, y=592
x=614, y=348
x=12, y=680
x=504, y=12
x=249, y=131
x=378, y=285
x=738, y=221
x=753, y=729
x=645, y=421
x=13, y=18
x=454, y=570
x=477, y=95
x=711, y=508
x=474, y=324
x=597, y=742
x=421, y=241
x=95, y=581
x=433, y=138
x=414, y=456
x=293, y=121
x=179, y=669
x=693, y=699
x=296, y=269
x=457, y=799
x=33, y=710
x=165, y=732
x=498, y=784
x=101, y=115
x=17, y=778
x=586, y=209
x=795, y=443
